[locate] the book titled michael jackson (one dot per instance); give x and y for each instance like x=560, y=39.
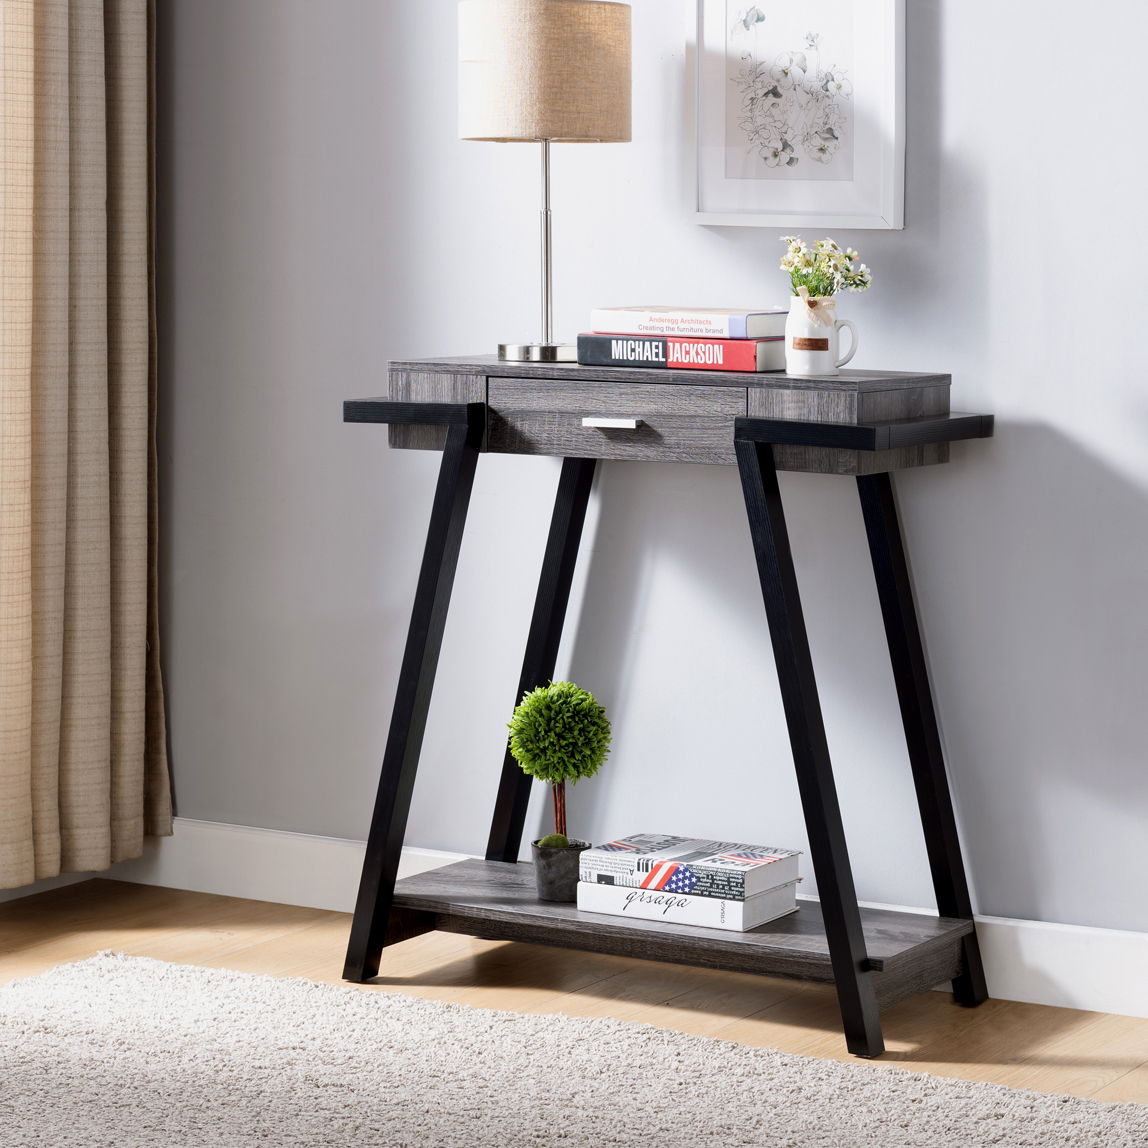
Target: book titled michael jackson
x=723, y=869
x=673, y=353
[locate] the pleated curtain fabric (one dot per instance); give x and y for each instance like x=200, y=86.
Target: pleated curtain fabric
x=83, y=767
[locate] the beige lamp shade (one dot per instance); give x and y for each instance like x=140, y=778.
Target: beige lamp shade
x=544, y=70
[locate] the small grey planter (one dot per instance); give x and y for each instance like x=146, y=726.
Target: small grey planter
x=556, y=870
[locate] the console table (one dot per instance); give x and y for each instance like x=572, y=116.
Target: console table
x=864, y=424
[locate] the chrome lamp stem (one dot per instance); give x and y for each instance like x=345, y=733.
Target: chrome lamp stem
x=547, y=252
x=546, y=351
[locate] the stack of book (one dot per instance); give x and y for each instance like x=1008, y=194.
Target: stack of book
x=685, y=338
x=689, y=880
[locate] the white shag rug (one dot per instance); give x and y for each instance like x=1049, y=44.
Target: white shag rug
x=129, y=1052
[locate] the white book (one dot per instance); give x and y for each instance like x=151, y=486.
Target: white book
x=700, y=866
x=710, y=912
x=706, y=322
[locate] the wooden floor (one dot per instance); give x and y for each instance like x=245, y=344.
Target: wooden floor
x=1025, y=1046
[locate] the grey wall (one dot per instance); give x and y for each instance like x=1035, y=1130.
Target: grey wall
x=319, y=217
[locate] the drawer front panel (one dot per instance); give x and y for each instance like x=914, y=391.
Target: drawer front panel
x=678, y=423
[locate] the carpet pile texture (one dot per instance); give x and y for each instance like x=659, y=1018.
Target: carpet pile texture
x=131, y=1052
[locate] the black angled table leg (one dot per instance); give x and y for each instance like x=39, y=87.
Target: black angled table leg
x=542, y=643
x=918, y=714
x=412, y=699
x=855, y=991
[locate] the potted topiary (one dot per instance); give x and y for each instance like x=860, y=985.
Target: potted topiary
x=559, y=733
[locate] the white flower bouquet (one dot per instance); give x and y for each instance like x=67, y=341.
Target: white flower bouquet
x=823, y=269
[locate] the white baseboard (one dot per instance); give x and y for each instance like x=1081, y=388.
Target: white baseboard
x=1071, y=966
x=1101, y=970
x=262, y=864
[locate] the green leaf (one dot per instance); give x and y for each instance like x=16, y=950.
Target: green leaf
x=559, y=732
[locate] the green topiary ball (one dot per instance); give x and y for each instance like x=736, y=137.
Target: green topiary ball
x=559, y=732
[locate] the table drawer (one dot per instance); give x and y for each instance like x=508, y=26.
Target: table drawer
x=676, y=423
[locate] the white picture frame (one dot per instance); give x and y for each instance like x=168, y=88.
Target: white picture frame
x=798, y=114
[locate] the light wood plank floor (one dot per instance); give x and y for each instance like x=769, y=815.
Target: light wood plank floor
x=1025, y=1046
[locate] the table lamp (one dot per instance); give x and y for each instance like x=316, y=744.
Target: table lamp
x=544, y=71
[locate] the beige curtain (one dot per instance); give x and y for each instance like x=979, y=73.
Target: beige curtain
x=83, y=770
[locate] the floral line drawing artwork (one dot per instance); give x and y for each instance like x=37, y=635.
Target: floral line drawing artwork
x=750, y=17
x=797, y=115
x=792, y=108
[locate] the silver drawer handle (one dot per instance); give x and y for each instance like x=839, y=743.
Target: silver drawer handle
x=611, y=424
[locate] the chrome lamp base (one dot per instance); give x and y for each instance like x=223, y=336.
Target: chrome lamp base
x=538, y=352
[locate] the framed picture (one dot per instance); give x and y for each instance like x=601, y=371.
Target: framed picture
x=799, y=113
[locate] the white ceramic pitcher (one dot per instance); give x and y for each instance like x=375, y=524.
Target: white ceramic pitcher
x=811, y=335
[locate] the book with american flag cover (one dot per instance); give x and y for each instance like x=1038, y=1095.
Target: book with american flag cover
x=671, y=905
x=727, y=870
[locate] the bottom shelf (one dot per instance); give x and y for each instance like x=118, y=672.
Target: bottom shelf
x=908, y=952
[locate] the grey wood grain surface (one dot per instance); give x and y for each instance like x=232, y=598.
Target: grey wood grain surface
x=489, y=365
x=928, y=969
x=430, y=386
x=678, y=423
x=536, y=408
x=862, y=406
x=826, y=406
x=496, y=900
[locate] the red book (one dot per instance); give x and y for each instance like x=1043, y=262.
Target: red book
x=676, y=354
